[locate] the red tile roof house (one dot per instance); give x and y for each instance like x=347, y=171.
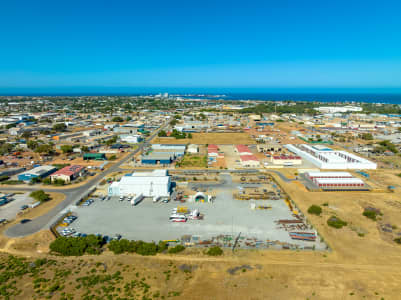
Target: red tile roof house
x=68, y=173
x=212, y=150
x=243, y=150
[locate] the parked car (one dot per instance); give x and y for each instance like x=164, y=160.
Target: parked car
x=23, y=207
x=23, y=221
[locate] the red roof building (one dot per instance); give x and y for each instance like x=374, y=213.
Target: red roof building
x=243, y=150
x=249, y=160
x=68, y=173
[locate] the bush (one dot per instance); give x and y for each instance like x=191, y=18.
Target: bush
x=76, y=246
x=117, y=119
x=370, y=214
x=398, y=240
x=66, y=148
x=176, y=249
x=336, y=222
x=4, y=178
x=214, y=251
x=139, y=247
x=12, y=182
x=315, y=210
x=113, y=157
x=40, y=195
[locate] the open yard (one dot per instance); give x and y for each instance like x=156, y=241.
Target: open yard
x=224, y=217
x=192, y=161
x=208, y=138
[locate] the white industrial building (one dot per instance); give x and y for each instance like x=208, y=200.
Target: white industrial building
x=153, y=184
x=336, y=181
x=131, y=138
x=326, y=158
x=338, y=109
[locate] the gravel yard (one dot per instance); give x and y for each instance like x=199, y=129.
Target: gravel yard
x=150, y=221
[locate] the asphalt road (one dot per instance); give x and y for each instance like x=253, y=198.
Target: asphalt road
x=73, y=194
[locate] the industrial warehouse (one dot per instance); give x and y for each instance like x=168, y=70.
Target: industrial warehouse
x=38, y=172
x=162, y=154
x=326, y=158
x=154, y=184
x=336, y=181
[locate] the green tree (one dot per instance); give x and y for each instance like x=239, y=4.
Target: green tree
x=6, y=148
x=117, y=119
x=162, y=133
x=26, y=134
x=59, y=127
x=44, y=149
x=40, y=195
x=32, y=144
x=66, y=148
x=366, y=136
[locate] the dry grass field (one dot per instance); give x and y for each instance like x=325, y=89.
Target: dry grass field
x=208, y=138
x=364, y=262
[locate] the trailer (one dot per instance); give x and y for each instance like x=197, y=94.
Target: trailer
x=136, y=199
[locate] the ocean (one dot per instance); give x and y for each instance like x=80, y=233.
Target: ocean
x=314, y=97
x=327, y=96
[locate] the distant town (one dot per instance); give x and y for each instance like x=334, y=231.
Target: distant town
x=197, y=172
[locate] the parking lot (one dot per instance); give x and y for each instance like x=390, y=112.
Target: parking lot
x=149, y=221
x=11, y=209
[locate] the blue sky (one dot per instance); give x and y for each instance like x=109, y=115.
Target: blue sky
x=208, y=44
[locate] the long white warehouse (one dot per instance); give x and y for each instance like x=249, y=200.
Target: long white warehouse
x=326, y=158
x=150, y=184
x=336, y=181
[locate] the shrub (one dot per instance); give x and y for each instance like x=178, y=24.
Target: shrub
x=4, y=178
x=40, y=195
x=398, y=240
x=76, y=246
x=117, y=119
x=215, y=251
x=370, y=214
x=176, y=249
x=12, y=182
x=336, y=222
x=139, y=247
x=315, y=210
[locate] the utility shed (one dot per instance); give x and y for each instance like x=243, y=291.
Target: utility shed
x=150, y=184
x=38, y=172
x=95, y=156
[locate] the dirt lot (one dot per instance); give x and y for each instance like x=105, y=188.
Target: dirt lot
x=193, y=161
x=209, y=138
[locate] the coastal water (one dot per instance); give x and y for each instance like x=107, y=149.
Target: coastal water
x=326, y=97
x=391, y=98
